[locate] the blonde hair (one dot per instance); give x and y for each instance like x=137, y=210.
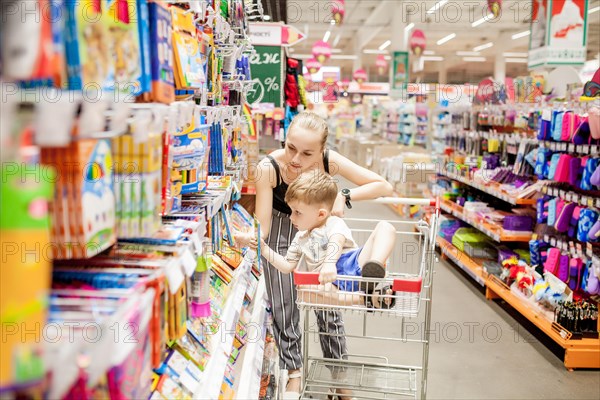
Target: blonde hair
x=312, y=122
x=313, y=187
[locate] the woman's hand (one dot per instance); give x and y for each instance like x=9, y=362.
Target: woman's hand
x=338, y=206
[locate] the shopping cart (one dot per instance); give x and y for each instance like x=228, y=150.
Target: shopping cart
x=410, y=275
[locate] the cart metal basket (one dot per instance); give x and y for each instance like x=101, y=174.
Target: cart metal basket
x=410, y=277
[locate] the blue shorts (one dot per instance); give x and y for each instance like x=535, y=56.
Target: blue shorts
x=348, y=265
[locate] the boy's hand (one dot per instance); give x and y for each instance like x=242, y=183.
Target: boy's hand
x=328, y=273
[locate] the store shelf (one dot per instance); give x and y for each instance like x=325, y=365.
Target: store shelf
x=581, y=199
x=579, y=353
x=492, y=189
x=493, y=231
x=248, y=384
x=473, y=267
x=222, y=340
x=570, y=147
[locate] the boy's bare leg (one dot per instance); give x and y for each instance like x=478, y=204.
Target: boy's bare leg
x=380, y=244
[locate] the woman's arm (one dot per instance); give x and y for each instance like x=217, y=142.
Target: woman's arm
x=265, y=181
x=369, y=184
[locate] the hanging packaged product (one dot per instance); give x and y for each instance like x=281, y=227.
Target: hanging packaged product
x=161, y=53
x=26, y=252
x=103, y=46
x=190, y=154
x=27, y=43
x=191, y=51
x=138, y=185
x=83, y=209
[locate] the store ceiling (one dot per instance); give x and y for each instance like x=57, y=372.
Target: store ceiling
x=367, y=25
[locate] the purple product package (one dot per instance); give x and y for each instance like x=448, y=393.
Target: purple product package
x=518, y=223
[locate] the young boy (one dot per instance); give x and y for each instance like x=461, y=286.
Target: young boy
x=324, y=243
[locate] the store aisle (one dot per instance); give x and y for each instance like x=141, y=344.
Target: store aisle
x=478, y=350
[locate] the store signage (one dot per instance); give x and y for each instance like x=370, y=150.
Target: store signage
x=338, y=9
x=399, y=73
x=321, y=51
x=274, y=34
x=332, y=89
x=495, y=7
x=417, y=42
x=267, y=67
x=558, y=33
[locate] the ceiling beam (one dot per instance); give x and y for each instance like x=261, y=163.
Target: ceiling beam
x=367, y=33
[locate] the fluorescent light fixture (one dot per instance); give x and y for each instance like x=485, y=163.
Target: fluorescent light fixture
x=474, y=59
x=437, y=6
x=337, y=39
x=385, y=44
x=483, y=46
x=428, y=52
x=409, y=27
x=520, y=35
x=516, y=60
x=593, y=10
x=482, y=20
x=446, y=39
x=387, y=57
x=332, y=22
x=432, y=58
x=344, y=57
x=467, y=53
x=333, y=56
x=374, y=51
x=518, y=55
x=335, y=51
x=326, y=37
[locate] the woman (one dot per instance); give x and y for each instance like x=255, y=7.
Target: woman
x=304, y=151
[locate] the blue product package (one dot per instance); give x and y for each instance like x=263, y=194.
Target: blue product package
x=588, y=171
x=144, y=32
x=534, y=251
x=588, y=218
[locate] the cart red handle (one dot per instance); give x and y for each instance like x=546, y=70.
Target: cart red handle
x=306, y=278
x=411, y=285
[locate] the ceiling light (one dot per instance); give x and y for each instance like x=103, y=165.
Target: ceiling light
x=385, y=44
x=593, y=10
x=332, y=22
x=428, y=52
x=520, y=35
x=446, y=39
x=337, y=39
x=467, y=53
x=516, y=60
x=432, y=58
x=409, y=27
x=514, y=55
x=437, y=6
x=387, y=57
x=374, y=51
x=326, y=36
x=344, y=57
x=267, y=18
x=483, y=46
x=333, y=51
x=474, y=59
x=482, y=20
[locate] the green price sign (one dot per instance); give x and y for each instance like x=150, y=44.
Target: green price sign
x=267, y=67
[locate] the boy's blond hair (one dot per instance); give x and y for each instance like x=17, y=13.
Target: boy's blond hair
x=313, y=187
